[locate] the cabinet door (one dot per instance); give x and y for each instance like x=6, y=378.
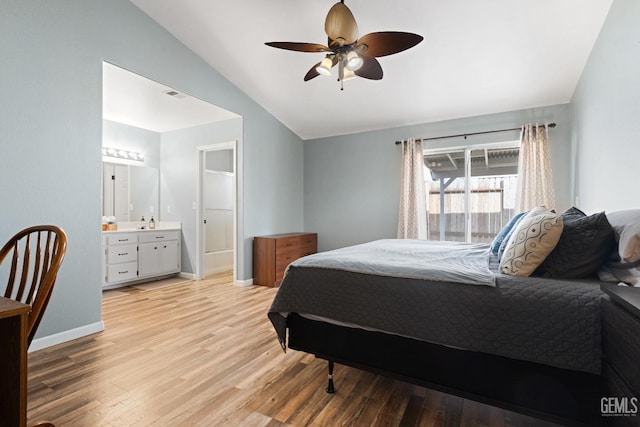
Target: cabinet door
x=148, y=258
x=168, y=256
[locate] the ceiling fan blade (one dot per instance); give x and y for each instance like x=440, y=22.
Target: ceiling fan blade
x=340, y=24
x=371, y=69
x=313, y=73
x=387, y=42
x=300, y=47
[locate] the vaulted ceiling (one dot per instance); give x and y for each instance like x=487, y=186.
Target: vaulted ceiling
x=477, y=57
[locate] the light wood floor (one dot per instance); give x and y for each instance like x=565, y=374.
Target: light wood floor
x=205, y=354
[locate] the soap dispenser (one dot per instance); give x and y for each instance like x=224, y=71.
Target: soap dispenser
x=143, y=223
x=152, y=223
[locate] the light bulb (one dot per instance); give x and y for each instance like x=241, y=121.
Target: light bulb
x=325, y=67
x=354, y=61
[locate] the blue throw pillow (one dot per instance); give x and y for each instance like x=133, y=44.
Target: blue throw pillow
x=506, y=230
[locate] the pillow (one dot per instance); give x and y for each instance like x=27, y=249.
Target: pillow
x=533, y=239
x=506, y=230
x=503, y=245
x=618, y=272
x=627, y=227
x=585, y=244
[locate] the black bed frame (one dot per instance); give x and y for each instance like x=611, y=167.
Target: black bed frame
x=563, y=396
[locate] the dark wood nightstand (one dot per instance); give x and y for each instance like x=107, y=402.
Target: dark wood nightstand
x=621, y=355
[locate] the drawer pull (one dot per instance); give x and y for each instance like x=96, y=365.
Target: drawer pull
x=159, y=237
x=123, y=272
x=123, y=254
x=123, y=240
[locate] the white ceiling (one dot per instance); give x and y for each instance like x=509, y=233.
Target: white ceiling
x=477, y=57
x=137, y=101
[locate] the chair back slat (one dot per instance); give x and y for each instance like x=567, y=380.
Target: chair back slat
x=35, y=277
x=36, y=255
x=26, y=257
x=12, y=272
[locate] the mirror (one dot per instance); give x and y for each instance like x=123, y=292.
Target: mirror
x=129, y=192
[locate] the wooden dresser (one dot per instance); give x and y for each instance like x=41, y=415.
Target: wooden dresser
x=272, y=254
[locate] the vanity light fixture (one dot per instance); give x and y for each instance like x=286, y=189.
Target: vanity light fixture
x=122, y=154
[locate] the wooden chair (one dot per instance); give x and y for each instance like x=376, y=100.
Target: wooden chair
x=35, y=254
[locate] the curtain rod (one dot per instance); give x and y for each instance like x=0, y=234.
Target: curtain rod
x=551, y=125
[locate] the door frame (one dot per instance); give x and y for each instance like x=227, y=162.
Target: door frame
x=201, y=152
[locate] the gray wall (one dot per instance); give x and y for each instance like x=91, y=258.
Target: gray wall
x=352, y=182
x=281, y=181
x=51, y=133
x=179, y=174
x=606, y=109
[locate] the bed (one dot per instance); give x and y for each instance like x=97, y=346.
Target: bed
x=440, y=315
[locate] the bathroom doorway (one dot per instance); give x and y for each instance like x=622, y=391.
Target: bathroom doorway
x=217, y=210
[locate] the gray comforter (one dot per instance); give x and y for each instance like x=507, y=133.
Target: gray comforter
x=554, y=322
x=434, y=260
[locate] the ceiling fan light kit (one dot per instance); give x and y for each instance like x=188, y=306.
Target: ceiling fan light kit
x=354, y=57
x=354, y=62
x=325, y=66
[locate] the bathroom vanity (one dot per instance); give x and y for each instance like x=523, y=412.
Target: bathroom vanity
x=132, y=255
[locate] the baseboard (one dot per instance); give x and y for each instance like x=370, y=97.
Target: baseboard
x=61, y=337
x=247, y=282
x=188, y=276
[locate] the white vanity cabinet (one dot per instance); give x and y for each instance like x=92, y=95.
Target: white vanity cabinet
x=131, y=256
x=158, y=253
x=121, y=257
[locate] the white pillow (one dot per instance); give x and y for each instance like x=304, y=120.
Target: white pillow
x=627, y=227
x=535, y=236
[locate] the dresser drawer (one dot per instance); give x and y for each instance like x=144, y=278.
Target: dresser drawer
x=122, y=272
x=285, y=258
x=158, y=236
x=285, y=243
x=122, y=253
x=621, y=342
x=308, y=244
x=122, y=238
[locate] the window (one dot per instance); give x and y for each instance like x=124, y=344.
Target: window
x=471, y=191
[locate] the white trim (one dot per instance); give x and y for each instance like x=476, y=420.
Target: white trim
x=62, y=337
x=189, y=276
x=473, y=146
x=248, y=282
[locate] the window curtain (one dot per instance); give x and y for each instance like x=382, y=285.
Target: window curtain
x=535, y=179
x=412, y=220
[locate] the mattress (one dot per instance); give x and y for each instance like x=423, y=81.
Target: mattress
x=553, y=322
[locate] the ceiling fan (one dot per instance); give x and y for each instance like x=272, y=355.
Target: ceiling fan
x=354, y=57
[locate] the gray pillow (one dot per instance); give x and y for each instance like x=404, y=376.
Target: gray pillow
x=585, y=244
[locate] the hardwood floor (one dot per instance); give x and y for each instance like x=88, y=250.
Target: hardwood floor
x=205, y=354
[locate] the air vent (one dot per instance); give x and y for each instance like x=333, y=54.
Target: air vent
x=175, y=94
